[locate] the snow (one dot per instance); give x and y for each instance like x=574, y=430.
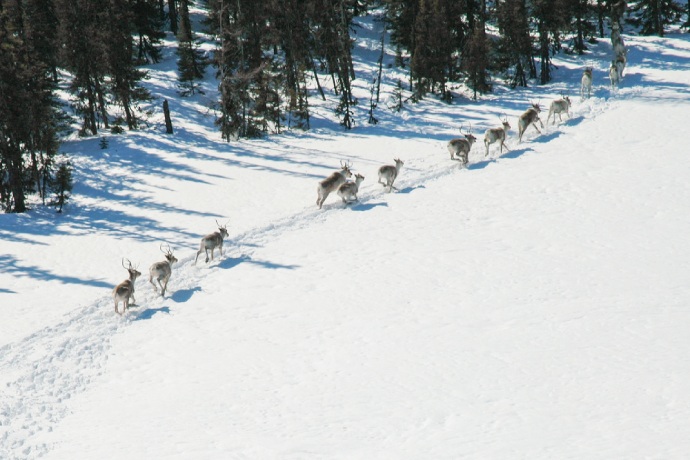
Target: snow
x=533, y=305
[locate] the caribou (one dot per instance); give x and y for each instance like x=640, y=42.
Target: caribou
x=615, y=34
x=212, y=241
x=124, y=292
x=619, y=49
x=559, y=106
x=459, y=148
x=586, y=85
x=529, y=117
x=617, y=10
x=617, y=40
x=614, y=75
x=333, y=182
x=497, y=134
x=388, y=174
x=161, y=271
x=348, y=190
x=620, y=63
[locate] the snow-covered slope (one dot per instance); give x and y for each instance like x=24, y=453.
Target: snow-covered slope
x=531, y=306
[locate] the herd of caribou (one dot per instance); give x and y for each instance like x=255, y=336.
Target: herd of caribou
x=620, y=54
x=339, y=182
x=160, y=272
x=459, y=148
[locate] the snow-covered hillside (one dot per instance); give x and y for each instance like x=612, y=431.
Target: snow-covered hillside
x=531, y=306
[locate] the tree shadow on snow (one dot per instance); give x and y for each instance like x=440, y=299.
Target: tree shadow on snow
x=11, y=265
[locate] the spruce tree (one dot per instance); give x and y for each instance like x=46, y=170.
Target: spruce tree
x=62, y=184
x=242, y=64
x=41, y=23
x=432, y=59
x=583, y=14
x=292, y=30
x=172, y=16
x=515, y=43
x=81, y=36
x=29, y=113
x=653, y=16
x=191, y=62
x=332, y=20
x=402, y=15
x=125, y=76
x=552, y=18
x=148, y=25
x=476, y=61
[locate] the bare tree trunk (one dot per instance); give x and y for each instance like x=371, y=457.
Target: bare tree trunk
x=168, y=121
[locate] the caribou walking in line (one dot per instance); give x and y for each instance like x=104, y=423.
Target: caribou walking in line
x=459, y=148
x=559, y=106
x=124, y=292
x=497, y=135
x=614, y=76
x=388, y=174
x=333, y=182
x=212, y=241
x=348, y=190
x=529, y=117
x=161, y=271
x=586, y=83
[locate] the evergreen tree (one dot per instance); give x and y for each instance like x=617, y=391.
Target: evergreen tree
x=244, y=69
x=653, y=16
x=583, y=14
x=190, y=67
x=432, y=59
x=125, y=76
x=80, y=33
x=172, y=16
x=397, y=102
x=601, y=14
x=402, y=15
x=148, y=25
x=515, y=44
x=62, y=184
x=293, y=36
x=332, y=20
x=476, y=61
x=551, y=17
x=191, y=63
x=29, y=116
x=41, y=24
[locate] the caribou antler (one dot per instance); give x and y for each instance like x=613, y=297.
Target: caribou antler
x=167, y=250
